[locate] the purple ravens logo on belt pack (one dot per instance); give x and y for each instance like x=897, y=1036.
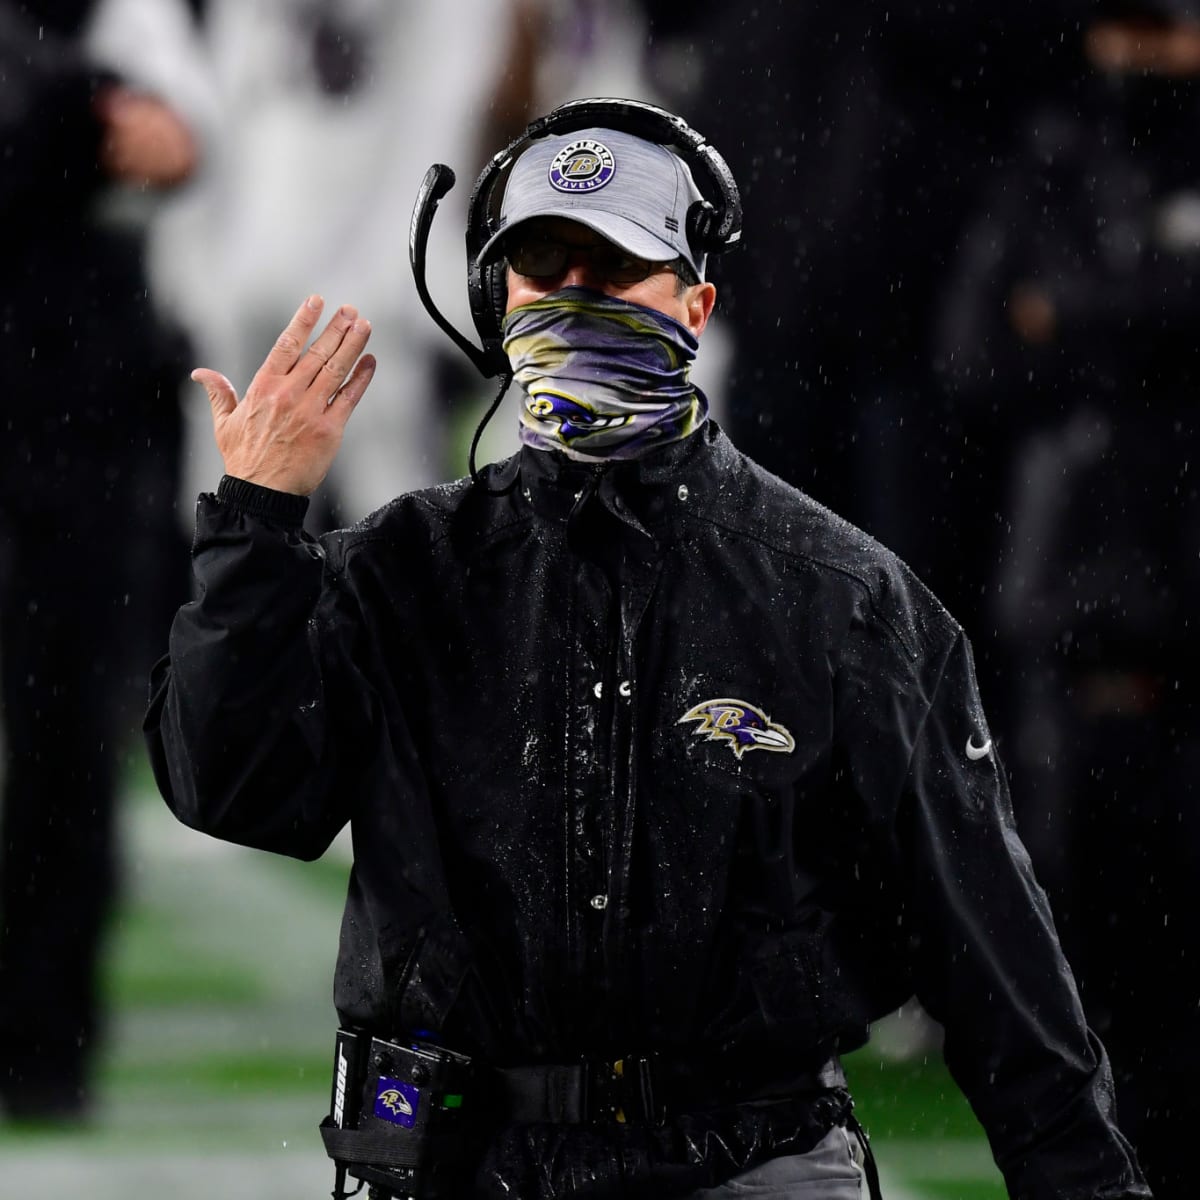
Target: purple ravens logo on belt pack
x=396, y=1101
x=743, y=726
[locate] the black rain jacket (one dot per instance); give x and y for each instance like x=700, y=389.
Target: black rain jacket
x=656, y=756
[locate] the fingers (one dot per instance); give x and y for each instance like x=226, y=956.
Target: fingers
x=329, y=359
x=291, y=342
x=221, y=393
x=351, y=392
x=318, y=372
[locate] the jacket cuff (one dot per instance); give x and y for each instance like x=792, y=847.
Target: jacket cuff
x=283, y=508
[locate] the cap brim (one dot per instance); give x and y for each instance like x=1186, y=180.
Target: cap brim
x=621, y=231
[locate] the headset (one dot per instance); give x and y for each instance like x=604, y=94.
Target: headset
x=714, y=224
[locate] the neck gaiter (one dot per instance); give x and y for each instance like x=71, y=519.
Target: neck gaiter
x=603, y=378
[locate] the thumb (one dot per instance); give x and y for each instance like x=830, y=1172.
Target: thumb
x=221, y=393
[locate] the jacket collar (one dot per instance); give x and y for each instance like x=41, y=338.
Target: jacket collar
x=651, y=493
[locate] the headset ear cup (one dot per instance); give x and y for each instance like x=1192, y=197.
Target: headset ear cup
x=487, y=290
x=480, y=300
x=497, y=280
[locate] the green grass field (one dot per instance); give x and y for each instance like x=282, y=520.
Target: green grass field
x=216, y=1070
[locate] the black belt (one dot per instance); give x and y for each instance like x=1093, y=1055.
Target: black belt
x=639, y=1089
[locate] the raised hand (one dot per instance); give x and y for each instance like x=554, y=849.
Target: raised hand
x=286, y=433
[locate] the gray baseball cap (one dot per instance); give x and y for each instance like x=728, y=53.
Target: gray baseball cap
x=633, y=192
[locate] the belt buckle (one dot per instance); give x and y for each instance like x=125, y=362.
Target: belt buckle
x=622, y=1090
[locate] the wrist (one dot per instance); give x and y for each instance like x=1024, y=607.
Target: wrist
x=258, y=500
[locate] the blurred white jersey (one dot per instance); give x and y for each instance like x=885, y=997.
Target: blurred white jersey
x=322, y=118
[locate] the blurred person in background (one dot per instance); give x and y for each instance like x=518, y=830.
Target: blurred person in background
x=298, y=85
x=858, y=134
x=90, y=559
x=1073, y=302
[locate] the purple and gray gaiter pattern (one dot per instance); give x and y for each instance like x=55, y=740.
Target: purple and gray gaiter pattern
x=603, y=378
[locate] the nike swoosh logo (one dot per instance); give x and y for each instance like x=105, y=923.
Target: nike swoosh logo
x=974, y=752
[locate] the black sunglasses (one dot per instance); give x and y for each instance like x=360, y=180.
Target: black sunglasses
x=543, y=258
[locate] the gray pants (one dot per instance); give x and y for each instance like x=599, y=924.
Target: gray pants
x=831, y=1170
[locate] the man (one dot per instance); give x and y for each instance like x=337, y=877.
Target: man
x=661, y=778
